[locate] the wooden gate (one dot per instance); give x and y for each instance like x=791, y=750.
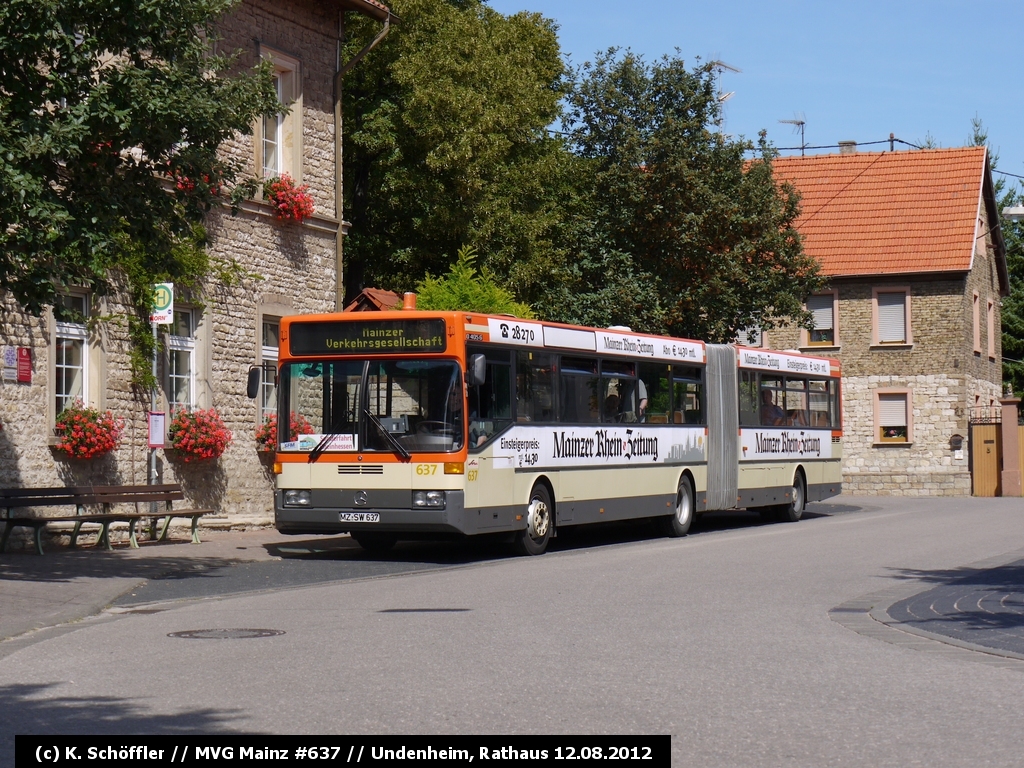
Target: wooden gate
x=986, y=448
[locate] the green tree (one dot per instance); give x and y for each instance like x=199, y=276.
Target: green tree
x=678, y=232
x=1012, y=309
x=111, y=115
x=467, y=290
x=446, y=144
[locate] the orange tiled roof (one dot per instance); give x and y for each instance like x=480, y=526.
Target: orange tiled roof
x=374, y=299
x=872, y=213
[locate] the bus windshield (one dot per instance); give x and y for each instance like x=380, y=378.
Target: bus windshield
x=348, y=405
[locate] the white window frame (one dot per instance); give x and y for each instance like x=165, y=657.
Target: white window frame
x=75, y=333
x=908, y=334
x=273, y=125
x=182, y=344
x=287, y=127
x=268, y=355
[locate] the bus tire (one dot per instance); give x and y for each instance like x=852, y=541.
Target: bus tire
x=678, y=524
x=540, y=521
x=794, y=510
x=375, y=542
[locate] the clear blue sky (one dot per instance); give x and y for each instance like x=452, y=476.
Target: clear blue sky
x=854, y=70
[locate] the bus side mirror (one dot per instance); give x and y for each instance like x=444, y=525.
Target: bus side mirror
x=252, y=388
x=476, y=371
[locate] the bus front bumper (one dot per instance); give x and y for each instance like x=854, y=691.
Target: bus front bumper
x=327, y=520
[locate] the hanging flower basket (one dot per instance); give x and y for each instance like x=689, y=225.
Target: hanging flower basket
x=289, y=201
x=266, y=433
x=85, y=433
x=198, y=435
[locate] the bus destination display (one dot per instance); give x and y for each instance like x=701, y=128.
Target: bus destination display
x=368, y=337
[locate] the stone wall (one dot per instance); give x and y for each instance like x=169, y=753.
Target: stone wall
x=288, y=269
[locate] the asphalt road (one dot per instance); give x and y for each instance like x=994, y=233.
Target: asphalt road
x=724, y=639
x=320, y=560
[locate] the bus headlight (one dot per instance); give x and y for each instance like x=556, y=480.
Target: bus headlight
x=294, y=498
x=433, y=499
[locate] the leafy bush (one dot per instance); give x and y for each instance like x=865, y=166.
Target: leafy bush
x=464, y=289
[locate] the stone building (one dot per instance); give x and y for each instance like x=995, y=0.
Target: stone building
x=917, y=268
x=290, y=268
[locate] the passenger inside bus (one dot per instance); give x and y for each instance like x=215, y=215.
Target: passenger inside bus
x=771, y=414
x=611, y=408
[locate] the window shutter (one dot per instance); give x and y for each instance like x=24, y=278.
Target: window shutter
x=750, y=337
x=892, y=410
x=820, y=308
x=892, y=317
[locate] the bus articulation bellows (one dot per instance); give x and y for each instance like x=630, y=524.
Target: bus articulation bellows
x=408, y=424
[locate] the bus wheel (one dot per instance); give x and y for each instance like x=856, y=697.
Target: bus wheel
x=678, y=524
x=794, y=510
x=540, y=519
x=375, y=542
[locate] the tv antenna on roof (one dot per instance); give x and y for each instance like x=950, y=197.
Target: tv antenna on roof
x=718, y=67
x=798, y=122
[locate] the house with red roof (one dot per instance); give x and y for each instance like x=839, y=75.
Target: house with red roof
x=917, y=269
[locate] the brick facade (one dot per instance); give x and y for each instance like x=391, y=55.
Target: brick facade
x=290, y=269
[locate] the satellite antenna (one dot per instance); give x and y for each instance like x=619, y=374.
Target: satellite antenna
x=798, y=122
x=718, y=67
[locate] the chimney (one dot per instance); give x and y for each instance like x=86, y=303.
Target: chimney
x=847, y=147
x=409, y=301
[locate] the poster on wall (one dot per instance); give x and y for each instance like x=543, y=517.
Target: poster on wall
x=24, y=373
x=157, y=425
x=10, y=363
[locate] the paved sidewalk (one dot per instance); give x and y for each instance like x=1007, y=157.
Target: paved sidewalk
x=69, y=584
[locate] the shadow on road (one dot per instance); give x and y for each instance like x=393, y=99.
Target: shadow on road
x=1008, y=578
x=486, y=548
x=983, y=606
x=26, y=711
x=68, y=565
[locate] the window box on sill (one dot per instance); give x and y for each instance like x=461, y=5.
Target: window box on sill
x=901, y=347
x=891, y=444
x=817, y=349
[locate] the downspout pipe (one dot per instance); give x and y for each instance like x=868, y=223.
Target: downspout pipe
x=339, y=287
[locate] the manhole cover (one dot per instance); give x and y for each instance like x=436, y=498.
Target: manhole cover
x=226, y=634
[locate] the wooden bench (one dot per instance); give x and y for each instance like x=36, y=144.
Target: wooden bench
x=103, y=496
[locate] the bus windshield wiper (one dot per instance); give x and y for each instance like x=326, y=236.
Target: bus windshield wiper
x=319, y=448
x=392, y=440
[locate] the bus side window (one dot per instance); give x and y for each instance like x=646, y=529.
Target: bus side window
x=749, y=416
x=580, y=391
x=535, y=396
x=796, y=402
x=836, y=408
x=654, y=378
x=619, y=392
x=818, y=400
x=772, y=399
x=687, y=384
x=490, y=403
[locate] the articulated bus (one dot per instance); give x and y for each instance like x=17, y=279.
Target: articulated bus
x=410, y=424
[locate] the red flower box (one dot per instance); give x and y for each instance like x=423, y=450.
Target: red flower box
x=86, y=433
x=198, y=435
x=289, y=201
